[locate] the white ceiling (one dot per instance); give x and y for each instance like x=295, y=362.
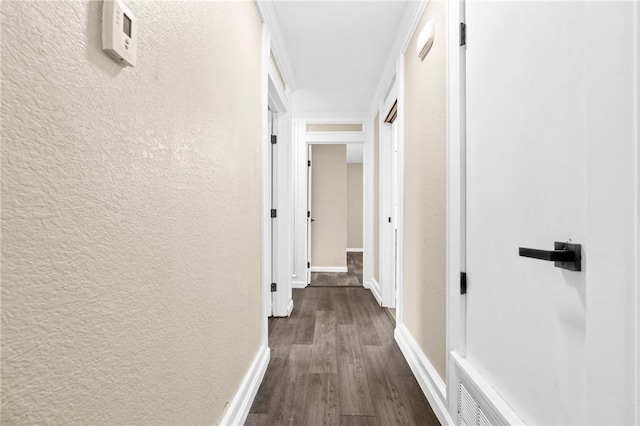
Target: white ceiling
x=337, y=50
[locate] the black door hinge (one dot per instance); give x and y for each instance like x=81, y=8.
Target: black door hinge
x=274, y=139
x=309, y=163
x=463, y=283
x=463, y=34
x=274, y=213
x=274, y=287
x=308, y=265
x=308, y=213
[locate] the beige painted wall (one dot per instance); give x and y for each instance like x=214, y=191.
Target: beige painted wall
x=425, y=192
x=354, y=205
x=329, y=205
x=335, y=127
x=376, y=198
x=130, y=213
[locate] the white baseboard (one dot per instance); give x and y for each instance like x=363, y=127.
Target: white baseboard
x=298, y=284
x=375, y=290
x=290, y=308
x=238, y=409
x=432, y=385
x=366, y=284
x=354, y=250
x=329, y=269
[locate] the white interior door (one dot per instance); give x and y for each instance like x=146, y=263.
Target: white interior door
x=387, y=215
x=529, y=83
x=274, y=211
x=395, y=218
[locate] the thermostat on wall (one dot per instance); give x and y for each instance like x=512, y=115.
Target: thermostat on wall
x=119, y=32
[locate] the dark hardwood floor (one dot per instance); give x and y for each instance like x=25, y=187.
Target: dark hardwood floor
x=351, y=278
x=334, y=362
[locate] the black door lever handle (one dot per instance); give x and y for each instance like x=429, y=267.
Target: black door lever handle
x=552, y=255
x=566, y=255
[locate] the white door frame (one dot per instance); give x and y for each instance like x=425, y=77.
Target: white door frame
x=390, y=217
x=391, y=271
x=387, y=221
x=387, y=291
x=277, y=98
x=637, y=318
x=301, y=140
x=456, y=234
x=456, y=195
x=309, y=145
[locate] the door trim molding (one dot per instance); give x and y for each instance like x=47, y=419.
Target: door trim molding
x=301, y=141
x=268, y=16
x=637, y=215
x=238, y=409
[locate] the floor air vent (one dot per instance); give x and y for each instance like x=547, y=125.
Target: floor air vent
x=469, y=412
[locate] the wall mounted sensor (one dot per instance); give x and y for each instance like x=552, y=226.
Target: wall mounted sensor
x=119, y=32
x=425, y=40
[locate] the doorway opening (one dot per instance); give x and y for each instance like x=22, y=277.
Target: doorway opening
x=335, y=215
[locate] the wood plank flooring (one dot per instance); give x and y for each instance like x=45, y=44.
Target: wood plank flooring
x=334, y=362
x=351, y=278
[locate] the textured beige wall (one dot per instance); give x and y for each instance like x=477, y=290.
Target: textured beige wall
x=329, y=205
x=354, y=205
x=130, y=213
x=425, y=192
x=376, y=198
